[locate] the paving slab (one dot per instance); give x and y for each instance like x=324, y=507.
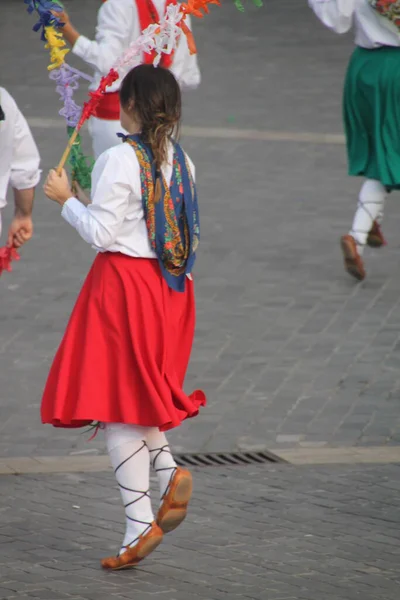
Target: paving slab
x=291, y=352
x=258, y=532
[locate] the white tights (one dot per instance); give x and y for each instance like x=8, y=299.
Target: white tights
x=131, y=448
x=370, y=207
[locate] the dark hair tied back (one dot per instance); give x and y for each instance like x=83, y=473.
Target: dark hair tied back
x=156, y=99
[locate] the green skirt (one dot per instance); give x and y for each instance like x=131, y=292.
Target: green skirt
x=371, y=109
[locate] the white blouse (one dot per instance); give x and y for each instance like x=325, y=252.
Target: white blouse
x=19, y=156
x=372, y=30
x=118, y=26
x=114, y=221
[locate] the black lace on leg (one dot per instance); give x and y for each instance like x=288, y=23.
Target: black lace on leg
x=141, y=496
x=159, y=451
x=363, y=206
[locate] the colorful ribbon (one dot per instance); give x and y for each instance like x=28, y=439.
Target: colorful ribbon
x=160, y=38
x=67, y=82
x=239, y=5
x=57, y=46
x=81, y=165
x=89, y=108
x=44, y=9
x=7, y=255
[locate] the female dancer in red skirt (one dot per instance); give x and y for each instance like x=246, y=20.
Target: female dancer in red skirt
x=125, y=352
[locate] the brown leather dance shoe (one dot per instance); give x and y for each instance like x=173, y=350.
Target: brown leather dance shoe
x=173, y=508
x=375, y=237
x=353, y=262
x=145, y=545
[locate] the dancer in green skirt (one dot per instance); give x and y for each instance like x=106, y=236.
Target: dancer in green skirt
x=371, y=112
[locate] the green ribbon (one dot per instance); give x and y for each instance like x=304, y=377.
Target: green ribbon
x=239, y=4
x=81, y=165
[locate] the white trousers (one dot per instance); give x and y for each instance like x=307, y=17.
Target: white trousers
x=104, y=134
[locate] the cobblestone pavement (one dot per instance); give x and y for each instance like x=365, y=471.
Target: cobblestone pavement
x=290, y=351
x=264, y=533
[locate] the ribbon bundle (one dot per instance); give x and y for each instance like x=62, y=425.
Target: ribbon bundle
x=161, y=38
x=7, y=255
x=66, y=79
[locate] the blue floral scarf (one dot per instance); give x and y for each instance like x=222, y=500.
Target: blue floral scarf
x=172, y=222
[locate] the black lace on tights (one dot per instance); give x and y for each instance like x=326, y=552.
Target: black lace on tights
x=141, y=496
x=159, y=451
x=362, y=205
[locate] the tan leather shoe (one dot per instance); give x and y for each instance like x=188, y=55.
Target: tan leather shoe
x=145, y=545
x=353, y=262
x=175, y=501
x=375, y=237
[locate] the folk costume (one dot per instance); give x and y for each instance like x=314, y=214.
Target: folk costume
x=371, y=112
x=19, y=156
x=125, y=352
x=120, y=22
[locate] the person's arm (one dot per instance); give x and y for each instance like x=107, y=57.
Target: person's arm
x=69, y=32
x=25, y=175
x=185, y=66
x=98, y=223
x=21, y=228
x=114, y=23
x=335, y=14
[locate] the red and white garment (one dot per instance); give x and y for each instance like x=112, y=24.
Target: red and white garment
x=120, y=23
x=125, y=352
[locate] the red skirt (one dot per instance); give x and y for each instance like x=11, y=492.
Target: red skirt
x=125, y=352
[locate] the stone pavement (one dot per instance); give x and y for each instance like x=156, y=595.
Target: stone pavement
x=261, y=533
x=290, y=351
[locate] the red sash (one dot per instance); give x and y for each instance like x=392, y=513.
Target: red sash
x=148, y=15
x=108, y=108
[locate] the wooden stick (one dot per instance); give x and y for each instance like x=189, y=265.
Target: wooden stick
x=67, y=150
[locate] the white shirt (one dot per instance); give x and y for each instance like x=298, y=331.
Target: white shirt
x=118, y=26
x=372, y=30
x=19, y=156
x=114, y=221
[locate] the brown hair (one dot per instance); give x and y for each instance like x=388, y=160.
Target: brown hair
x=156, y=99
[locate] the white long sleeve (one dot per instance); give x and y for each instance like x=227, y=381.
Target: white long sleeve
x=113, y=35
x=115, y=220
x=335, y=14
x=25, y=172
x=100, y=222
x=19, y=156
x=372, y=29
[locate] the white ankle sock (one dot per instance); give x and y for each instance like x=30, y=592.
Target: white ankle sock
x=130, y=459
x=369, y=208
x=161, y=458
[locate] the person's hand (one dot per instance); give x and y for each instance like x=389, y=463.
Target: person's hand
x=68, y=31
x=62, y=16
x=20, y=231
x=57, y=187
